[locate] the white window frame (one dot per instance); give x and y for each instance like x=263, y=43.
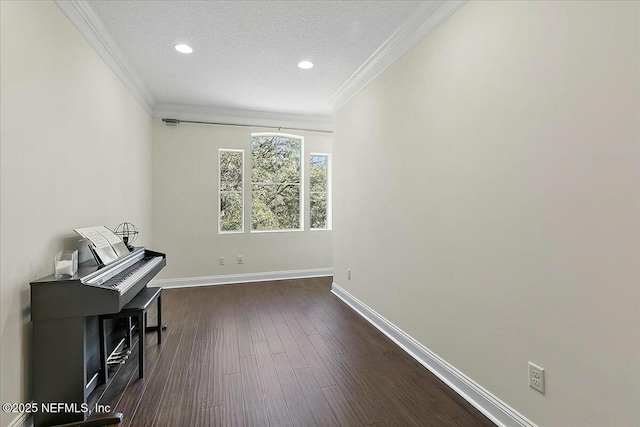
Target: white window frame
x=302, y=192
x=233, y=150
x=329, y=191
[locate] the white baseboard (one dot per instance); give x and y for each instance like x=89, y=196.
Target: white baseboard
x=22, y=420
x=495, y=409
x=241, y=278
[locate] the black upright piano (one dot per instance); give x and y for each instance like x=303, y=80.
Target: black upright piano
x=64, y=312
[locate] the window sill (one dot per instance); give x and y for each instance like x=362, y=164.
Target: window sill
x=276, y=231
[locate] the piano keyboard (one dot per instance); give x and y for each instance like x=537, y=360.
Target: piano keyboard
x=123, y=274
x=129, y=277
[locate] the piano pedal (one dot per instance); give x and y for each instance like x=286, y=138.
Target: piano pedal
x=119, y=358
x=119, y=355
x=125, y=352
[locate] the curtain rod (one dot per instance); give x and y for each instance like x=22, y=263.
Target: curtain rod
x=175, y=122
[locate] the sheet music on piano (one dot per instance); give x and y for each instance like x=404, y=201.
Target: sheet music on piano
x=105, y=244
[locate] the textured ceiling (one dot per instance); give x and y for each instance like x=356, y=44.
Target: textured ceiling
x=245, y=52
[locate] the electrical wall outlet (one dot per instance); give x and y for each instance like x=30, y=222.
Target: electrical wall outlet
x=240, y=259
x=221, y=260
x=536, y=377
x=348, y=274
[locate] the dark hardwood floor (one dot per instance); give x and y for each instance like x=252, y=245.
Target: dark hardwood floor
x=276, y=353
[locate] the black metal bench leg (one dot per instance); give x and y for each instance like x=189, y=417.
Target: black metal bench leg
x=129, y=338
x=141, y=333
x=159, y=316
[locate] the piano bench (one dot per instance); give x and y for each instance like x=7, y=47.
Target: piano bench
x=137, y=308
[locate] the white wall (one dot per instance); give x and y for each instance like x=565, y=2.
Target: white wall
x=486, y=200
x=75, y=151
x=185, y=182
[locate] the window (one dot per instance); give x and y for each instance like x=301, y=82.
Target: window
x=276, y=182
x=231, y=197
x=319, y=202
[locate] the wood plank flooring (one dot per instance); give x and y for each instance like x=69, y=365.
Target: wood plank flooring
x=282, y=353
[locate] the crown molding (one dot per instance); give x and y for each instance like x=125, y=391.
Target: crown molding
x=244, y=117
x=426, y=18
x=80, y=13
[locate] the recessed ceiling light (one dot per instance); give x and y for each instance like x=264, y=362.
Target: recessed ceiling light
x=183, y=48
x=305, y=65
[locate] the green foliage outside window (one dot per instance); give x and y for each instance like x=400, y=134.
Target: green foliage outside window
x=231, y=166
x=276, y=176
x=318, y=175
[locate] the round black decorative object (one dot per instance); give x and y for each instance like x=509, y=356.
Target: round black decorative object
x=128, y=232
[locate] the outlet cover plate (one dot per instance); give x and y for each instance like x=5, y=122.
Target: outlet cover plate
x=536, y=377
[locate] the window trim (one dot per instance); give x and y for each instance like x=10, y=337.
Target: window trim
x=302, y=183
x=233, y=150
x=329, y=191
